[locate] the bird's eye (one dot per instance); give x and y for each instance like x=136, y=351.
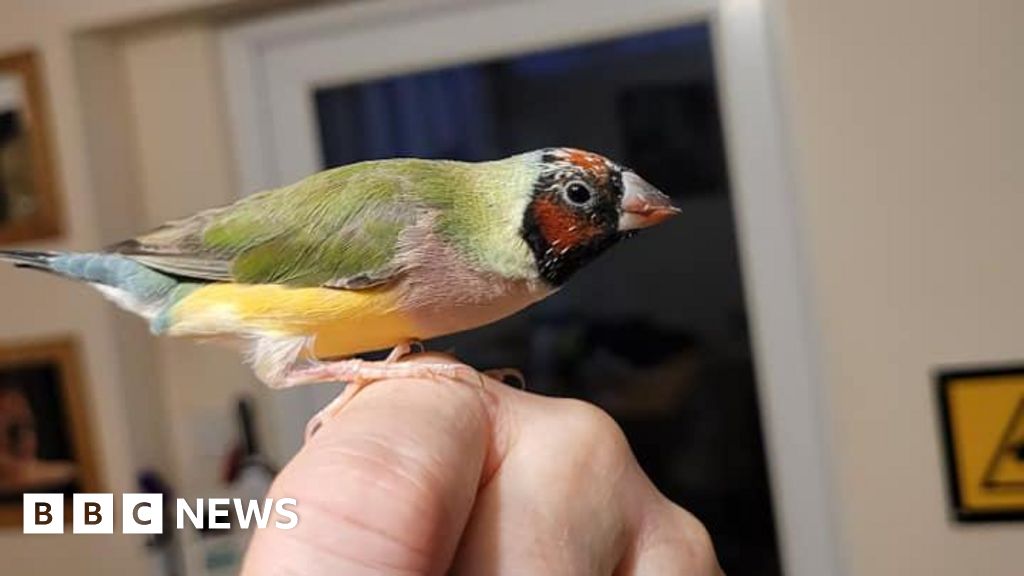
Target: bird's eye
x=578, y=193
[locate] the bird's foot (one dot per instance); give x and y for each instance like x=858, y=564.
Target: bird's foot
x=352, y=370
x=360, y=373
x=332, y=409
x=505, y=374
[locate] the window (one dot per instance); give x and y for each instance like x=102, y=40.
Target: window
x=654, y=332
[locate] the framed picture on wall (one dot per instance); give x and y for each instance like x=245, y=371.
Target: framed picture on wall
x=45, y=443
x=28, y=197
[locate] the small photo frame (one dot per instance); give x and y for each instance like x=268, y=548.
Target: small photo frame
x=28, y=196
x=45, y=442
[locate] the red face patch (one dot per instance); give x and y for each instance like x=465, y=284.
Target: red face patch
x=563, y=227
x=588, y=161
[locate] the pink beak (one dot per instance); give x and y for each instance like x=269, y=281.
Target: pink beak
x=642, y=205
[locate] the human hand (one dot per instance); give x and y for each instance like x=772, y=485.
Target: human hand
x=423, y=477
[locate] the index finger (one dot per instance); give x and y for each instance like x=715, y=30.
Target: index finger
x=384, y=488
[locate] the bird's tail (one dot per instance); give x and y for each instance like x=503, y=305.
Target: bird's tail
x=128, y=283
x=114, y=271
x=35, y=259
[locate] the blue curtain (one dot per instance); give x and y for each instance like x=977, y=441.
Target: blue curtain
x=438, y=114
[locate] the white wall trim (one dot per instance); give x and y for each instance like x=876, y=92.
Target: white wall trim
x=273, y=63
x=793, y=395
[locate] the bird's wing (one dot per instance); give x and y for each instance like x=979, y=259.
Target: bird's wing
x=338, y=229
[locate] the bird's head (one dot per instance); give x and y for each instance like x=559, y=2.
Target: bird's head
x=581, y=203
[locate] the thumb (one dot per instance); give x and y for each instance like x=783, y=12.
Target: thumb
x=384, y=488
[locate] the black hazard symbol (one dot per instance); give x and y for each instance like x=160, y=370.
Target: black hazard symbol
x=1005, y=470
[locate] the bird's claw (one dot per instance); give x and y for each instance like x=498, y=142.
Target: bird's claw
x=504, y=374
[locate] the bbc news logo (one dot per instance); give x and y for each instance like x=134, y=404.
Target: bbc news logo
x=144, y=513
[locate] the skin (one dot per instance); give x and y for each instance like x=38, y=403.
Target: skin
x=474, y=477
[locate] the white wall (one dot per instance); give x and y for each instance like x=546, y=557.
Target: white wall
x=33, y=305
x=908, y=121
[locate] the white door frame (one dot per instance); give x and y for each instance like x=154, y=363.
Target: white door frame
x=272, y=64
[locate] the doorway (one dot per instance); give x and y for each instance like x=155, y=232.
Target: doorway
x=661, y=332
x=655, y=332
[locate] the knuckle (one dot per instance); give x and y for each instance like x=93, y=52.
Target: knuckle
x=587, y=424
x=693, y=537
x=589, y=440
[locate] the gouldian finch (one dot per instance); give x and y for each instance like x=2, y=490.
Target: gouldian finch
x=369, y=256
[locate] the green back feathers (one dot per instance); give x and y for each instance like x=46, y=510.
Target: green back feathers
x=338, y=226
x=342, y=227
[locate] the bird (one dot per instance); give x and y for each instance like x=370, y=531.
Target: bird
x=369, y=256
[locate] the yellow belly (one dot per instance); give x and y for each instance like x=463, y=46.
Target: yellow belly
x=343, y=322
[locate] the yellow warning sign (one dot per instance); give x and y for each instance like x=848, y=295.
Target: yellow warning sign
x=983, y=425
